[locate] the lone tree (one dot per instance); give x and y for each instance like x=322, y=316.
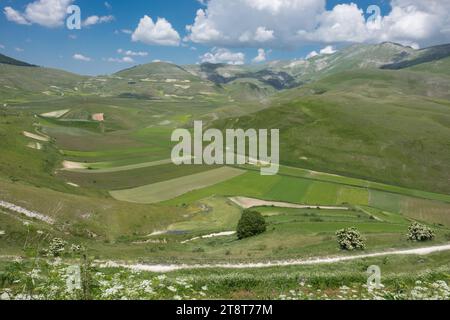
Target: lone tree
x=420, y=232
x=350, y=239
x=251, y=224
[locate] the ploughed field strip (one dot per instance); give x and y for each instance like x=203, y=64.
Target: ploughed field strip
x=90, y=168
x=170, y=189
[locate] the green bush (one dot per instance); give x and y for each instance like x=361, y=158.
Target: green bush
x=420, y=232
x=57, y=247
x=350, y=239
x=251, y=224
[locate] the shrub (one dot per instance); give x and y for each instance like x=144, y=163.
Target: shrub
x=420, y=232
x=251, y=224
x=350, y=239
x=57, y=247
x=76, y=249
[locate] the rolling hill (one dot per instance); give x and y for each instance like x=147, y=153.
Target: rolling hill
x=20, y=80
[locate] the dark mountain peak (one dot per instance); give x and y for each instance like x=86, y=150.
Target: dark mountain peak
x=11, y=61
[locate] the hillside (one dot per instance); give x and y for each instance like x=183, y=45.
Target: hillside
x=30, y=82
x=390, y=126
x=155, y=70
x=427, y=55
x=294, y=73
x=8, y=60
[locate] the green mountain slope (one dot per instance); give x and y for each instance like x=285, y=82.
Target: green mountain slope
x=355, y=57
x=293, y=73
x=156, y=70
x=391, y=126
x=19, y=82
x=419, y=57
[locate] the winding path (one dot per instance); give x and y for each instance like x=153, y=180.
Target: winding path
x=26, y=212
x=162, y=268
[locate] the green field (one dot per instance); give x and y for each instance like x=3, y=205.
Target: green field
x=161, y=191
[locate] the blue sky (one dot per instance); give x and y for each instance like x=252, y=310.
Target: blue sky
x=55, y=46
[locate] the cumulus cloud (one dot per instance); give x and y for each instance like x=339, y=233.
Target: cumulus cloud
x=80, y=57
x=222, y=55
x=159, y=33
x=121, y=60
x=15, y=16
x=132, y=53
x=261, y=57
x=260, y=35
x=312, y=54
x=93, y=20
x=290, y=23
x=239, y=22
x=328, y=50
x=47, y=13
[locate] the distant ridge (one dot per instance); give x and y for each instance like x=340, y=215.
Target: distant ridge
x=423, y=56
x=7, y=60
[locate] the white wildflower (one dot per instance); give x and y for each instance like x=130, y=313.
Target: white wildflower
x=171, y=288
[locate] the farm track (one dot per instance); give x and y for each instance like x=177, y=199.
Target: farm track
x=163, y=268
x=247, y=203
x=26, y=212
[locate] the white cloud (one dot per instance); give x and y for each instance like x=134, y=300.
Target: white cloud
x=92, y=20
x=291, y=23
x=328, y=50
x=121, y=60
x=127, y=31
x=312, y=54
x=132, y=53
x=80, y=57
x=261, y=57
x=15, y=16
x=221, y=55
x=159, y=33
x=47, y=13
x=264, y=35
x=2, y=46
x=19, y=49
x=108, y=5
x=260, y=35
x=238, y=22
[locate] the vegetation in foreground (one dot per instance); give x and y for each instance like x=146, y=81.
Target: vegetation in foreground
x=402, y=278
